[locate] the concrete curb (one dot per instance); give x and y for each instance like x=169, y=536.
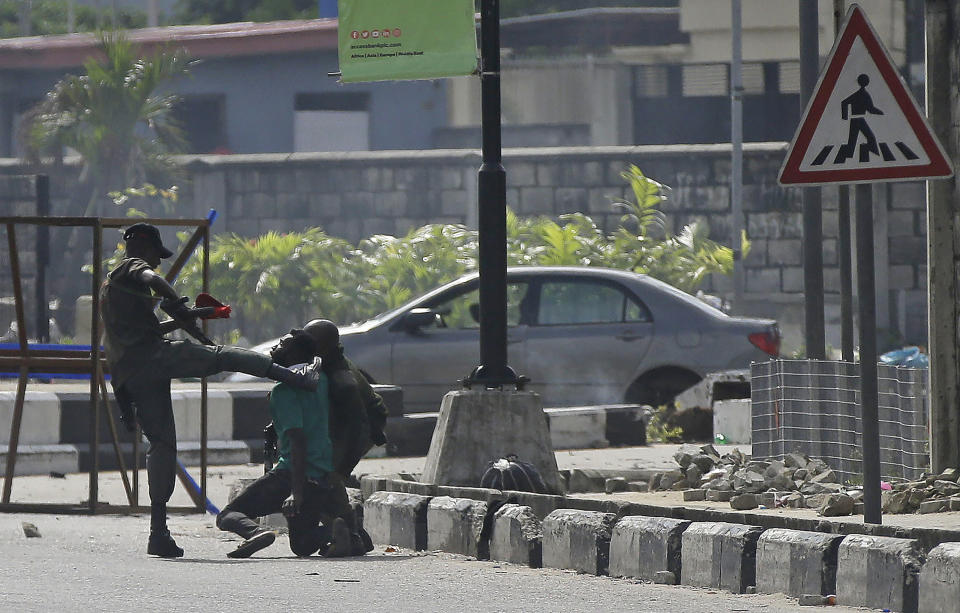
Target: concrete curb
x=720, y=555
x=517, y=536
x=640, y=547
x=395, y=518
x=879, y=572
x=940, y=579
x=455, y=525
x=796, y=562
x=577, y=540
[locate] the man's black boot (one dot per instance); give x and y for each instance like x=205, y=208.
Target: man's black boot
x=341, y=545
x=304, y=377
x=162, y=544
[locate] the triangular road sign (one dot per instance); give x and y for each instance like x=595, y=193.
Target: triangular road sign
x=861, y=124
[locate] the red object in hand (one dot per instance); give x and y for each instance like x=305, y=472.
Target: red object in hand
x=220, y=310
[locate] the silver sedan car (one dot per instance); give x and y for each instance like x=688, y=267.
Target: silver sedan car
x=583, y=335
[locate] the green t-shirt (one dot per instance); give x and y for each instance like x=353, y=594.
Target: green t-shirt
x=292, y=408
x=132, y=330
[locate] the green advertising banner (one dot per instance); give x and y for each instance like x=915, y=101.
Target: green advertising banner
x=381, y=40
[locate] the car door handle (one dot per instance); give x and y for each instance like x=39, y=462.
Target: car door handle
x=629, y=336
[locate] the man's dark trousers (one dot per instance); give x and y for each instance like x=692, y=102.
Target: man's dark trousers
x=149, y=390
x=265, y=496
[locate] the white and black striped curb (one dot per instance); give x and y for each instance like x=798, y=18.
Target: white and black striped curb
x=867, y=570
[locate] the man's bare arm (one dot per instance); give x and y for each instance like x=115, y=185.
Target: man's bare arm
x=163, y=289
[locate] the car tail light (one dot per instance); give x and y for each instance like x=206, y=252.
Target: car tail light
x=767, y=342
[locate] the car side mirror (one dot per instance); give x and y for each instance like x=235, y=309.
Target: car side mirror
x=419, y=318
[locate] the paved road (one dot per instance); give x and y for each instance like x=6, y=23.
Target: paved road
x=97, y=564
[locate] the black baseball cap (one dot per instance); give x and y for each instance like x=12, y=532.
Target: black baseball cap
x=147, y=232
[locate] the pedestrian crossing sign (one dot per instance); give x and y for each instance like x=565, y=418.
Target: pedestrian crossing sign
x=861, y=124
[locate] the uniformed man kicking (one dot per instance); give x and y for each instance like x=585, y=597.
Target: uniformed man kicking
x=300, y=419
x=142, y=363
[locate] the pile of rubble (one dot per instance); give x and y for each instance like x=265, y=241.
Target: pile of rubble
x=798, y=481
x=932, y=494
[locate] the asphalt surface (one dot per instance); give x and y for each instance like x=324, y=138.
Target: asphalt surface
x=98, y=563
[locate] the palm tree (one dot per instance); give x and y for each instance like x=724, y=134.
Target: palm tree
x=116, y=116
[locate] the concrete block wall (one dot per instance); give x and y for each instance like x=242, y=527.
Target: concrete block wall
x=355, y=194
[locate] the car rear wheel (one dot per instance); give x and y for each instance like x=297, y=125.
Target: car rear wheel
x=659, y=387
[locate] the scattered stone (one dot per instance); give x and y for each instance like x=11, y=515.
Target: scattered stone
x=955, y=504
x=665, y=577
x=796, y=460
x=694, y=474
x=811, y=600
x=934, y=506
x=616, y=484
x=800, y=474
x=894, y=502
x=858, y=508
x=815, y=500
x=769, y=499
x=751, y=589
x=951, y=474
x=835, y=505
x=827, y=476
x=638, y=486
x=685, y=454
x=30, y=530
x=945, y=487
x=711, y=452
x=795, y=500
x=696, y=494
x=719, y=495
x=704, y=462
x=654, y=483
x=680, y=485
x=744, y=502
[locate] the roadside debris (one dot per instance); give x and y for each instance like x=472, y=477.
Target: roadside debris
x=30, y=530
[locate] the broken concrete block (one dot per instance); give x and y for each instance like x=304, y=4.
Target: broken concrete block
x=641, y=547
x=616, y=484
x=796, y=562
x=719, y=555
x=692, y=495
x=517, y=536
x=454, y=525
x=934, y=506
x=835, y=505
x=719, y=495
x=744, y=502
x=878, y=572
x=578, y=540
x=665, y=577
x=637, y=486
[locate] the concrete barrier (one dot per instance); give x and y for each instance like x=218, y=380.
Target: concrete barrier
x=878, y=572
x=186, y=411
x=940, y=579
x=720, y=555
x=577, y=540
x=39, y=423
x=795, y=562
x=640, y=547
x=41, y=459
x=454, y=525
x=395, y=518
x=517, y=536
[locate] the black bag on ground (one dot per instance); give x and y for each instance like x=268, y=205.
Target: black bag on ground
x=509, y=473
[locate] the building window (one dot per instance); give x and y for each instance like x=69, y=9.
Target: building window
x=331, y=122
x=705, y=80
x=203, y=121
x=789, y=77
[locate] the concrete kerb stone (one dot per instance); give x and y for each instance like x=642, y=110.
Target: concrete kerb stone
x=640, y=547
x=517, y=536
x=397, y=518
x=541, y=504
x=578, y=540
x=797, y=562
x=720, y=555
x=940, y=579
x=455, y=525
x=878, y=572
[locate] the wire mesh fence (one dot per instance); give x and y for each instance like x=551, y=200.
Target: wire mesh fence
x=813, y=407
